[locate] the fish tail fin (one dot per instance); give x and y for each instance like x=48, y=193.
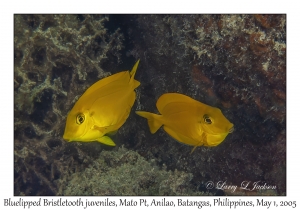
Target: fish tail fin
x=154, y=121
x=132, y=73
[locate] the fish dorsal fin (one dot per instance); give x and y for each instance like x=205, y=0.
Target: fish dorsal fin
x=121, y=76
x=179, y=102
x=110, y=90
x=174, y=103
x=112, y=82
x=132, y=74
x=168, y=98
x=133, y=70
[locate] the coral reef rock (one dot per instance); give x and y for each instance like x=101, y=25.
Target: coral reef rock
x=125, y=172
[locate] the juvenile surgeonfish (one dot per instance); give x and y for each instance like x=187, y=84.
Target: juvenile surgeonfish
x=189, y=121
x=102, y=109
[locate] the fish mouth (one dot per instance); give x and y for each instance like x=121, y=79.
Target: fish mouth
x=231, y=129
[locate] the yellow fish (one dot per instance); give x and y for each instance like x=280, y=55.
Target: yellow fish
x=102, y=109
x=189, y=121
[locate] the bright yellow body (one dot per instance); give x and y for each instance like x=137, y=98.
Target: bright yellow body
x=102, y=109
x=189, y=121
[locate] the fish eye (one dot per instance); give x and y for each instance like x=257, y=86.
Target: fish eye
x=207, y=119
x=80, y=119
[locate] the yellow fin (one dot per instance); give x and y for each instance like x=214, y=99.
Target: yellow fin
x=132, y=73
x=193, y=149
x=200, y=144
x=168, y=98
x=101, y=129
x=106, y=140
x=112, y=133
x=120, y=77
x=153, y=120
x=134, y=68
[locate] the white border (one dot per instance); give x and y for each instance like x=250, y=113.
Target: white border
x=154, y=6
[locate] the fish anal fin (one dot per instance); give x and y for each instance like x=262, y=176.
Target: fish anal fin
x=106, y=140
x=154, y=121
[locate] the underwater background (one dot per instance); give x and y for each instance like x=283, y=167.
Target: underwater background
x=234, y=62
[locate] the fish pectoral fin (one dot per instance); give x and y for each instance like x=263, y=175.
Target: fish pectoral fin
x=101, y=129
x=198, y=145
x=111, y=133
x=106, y=140
x=193, y=149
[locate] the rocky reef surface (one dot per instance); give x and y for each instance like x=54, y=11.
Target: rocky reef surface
x=234, y=62
x=125, y=172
